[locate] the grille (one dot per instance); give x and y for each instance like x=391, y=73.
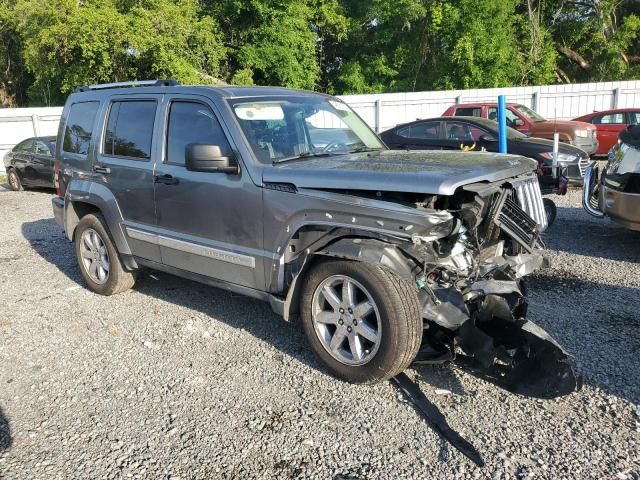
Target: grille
x=515, y=222
x=530, y=199
x=583, y=163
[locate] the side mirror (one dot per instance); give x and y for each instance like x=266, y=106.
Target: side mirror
x=208, y=158
x=487, y=137
x=518, y=122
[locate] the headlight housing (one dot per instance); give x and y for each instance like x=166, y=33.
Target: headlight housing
x=564, y=159
x=584, y=133
x=623, y=159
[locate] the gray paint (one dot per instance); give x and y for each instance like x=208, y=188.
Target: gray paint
x=211, y=224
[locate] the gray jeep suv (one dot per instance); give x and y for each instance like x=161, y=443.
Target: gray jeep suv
x=387, y=257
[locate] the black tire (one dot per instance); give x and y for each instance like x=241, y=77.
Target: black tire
x=14, y=180
x=118, y=279
x=399, y=315
x=550, y=210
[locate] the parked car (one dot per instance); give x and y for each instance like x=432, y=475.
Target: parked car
x=581, y=134
x=289, y=197
x=474, y=133
x=616, y=192
x=30, y=163
x=609, y=124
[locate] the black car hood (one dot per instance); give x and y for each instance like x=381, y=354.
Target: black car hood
x=430, y=172
x=546, y=145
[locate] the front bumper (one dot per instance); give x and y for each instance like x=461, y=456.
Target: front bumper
x=58, y=210
x=599, y=200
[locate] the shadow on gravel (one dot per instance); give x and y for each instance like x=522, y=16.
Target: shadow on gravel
x=592, y=237
x=49, y=241
x=5, y=433
x=599, y=325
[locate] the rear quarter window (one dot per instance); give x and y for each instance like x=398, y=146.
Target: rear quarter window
x=469, y=112
x=79, y=128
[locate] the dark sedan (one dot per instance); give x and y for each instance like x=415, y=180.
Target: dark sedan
x=30, y=163
x=473, y=133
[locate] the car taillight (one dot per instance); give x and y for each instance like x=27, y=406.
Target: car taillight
x=56, y=177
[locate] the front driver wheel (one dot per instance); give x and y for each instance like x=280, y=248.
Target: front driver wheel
x=98, y=258
x=362, y=321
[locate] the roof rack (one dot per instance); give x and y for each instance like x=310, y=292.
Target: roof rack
x=137, y=83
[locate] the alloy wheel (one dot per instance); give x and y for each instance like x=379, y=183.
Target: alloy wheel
x=346, y=320
x=95, y=257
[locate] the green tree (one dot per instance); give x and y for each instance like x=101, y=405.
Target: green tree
x=67, y=43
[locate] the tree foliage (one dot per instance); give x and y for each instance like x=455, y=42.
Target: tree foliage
x=337, y=46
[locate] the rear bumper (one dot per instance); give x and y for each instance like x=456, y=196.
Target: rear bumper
x=58, y=210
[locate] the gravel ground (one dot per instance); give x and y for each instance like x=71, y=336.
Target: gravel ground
x=178, y=380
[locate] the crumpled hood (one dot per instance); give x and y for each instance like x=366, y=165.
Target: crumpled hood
x=429, y=172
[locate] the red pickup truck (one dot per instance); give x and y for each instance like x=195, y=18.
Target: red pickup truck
x=522, y=118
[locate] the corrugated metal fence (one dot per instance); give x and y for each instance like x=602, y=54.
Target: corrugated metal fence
x=383, y=111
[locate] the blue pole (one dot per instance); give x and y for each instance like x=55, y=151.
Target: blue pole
x=502, y=124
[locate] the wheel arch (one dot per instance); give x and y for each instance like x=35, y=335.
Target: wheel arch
x=83, y=198
x=346, y=244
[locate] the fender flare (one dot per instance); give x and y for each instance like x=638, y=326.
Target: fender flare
x=362, y=249
x=82, y=192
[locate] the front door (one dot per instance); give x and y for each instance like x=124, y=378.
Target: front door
x=419, y=136
x=124, y=165
x=208, y=223
x=22, y=154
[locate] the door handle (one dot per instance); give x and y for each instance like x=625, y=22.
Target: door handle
x=103, y=170
x=165, y=179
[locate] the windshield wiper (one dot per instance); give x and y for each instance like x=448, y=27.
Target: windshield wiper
x=306, y=155
x=364, y=149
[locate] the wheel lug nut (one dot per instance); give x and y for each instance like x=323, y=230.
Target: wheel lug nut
x=355, y=322
x=350, y=311
x=340, y=321
x=342, y=310
x=349, y=329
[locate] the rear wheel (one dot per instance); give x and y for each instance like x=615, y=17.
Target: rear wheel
x=14, y=180
x=550, y=210
x=98, y=259
x=362, y=321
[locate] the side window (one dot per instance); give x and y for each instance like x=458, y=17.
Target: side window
x=130, y=129
x=468, y=112
x=24, y=147
x=634, y=118
x=458, y=131
x=423, y=131
x=609, y=119
x=192, y=122
x=77, y=134
x=492, y=114
x=42, y=148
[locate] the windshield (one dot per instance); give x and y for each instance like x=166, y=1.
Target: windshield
x=530, y=114
x=298, y=127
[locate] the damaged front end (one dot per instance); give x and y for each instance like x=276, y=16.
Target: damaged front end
x=473, y=298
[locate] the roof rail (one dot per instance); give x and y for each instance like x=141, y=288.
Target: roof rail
x=137, y=83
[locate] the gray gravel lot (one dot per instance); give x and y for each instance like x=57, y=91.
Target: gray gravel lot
x=178, y=380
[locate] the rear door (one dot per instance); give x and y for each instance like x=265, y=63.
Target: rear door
x=125, y=165
x=42, y=162
x=22, y=154
x=419, y=136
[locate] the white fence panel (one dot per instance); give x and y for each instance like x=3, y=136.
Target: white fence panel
x=383, y=111
x=16, y=124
